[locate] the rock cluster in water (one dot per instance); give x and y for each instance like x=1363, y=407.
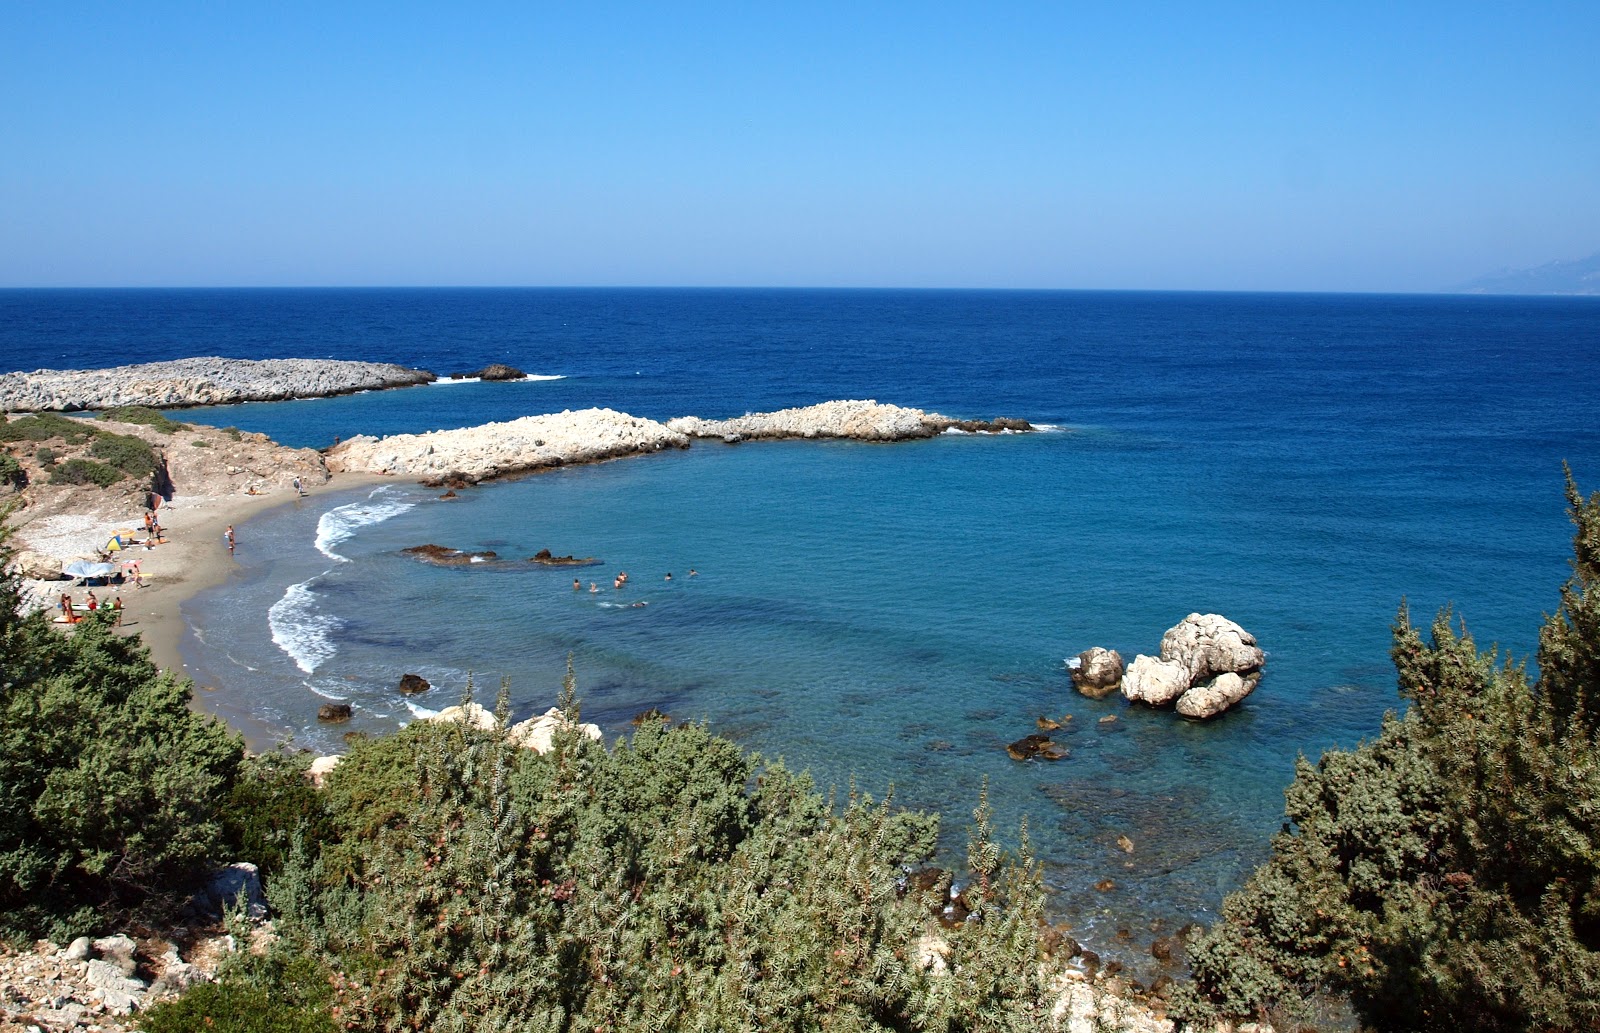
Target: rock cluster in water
x=1207, y=664
x=203, y=381
x=858, y=420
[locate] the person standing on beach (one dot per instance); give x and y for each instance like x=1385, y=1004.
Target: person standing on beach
x=297, y=489
x=228, y=534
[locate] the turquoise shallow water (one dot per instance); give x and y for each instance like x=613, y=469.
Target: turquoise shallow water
x=896, y=614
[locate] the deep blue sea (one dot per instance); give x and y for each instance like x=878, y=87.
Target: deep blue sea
x=895, y=614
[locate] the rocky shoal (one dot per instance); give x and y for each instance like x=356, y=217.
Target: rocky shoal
x=203, y=381
x=471, y=454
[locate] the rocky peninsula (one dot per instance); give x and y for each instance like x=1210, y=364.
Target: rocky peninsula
x=211, y=380
x=857, y=420
x=472, y=454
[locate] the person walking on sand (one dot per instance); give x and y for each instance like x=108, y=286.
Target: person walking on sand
x=297, y=489
x=116, y=606
x=228, y=534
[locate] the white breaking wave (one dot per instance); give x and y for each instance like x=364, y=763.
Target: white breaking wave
x=442, y=381
x=543, y=376
x=342, y=522
x=300, y=630
x=420, y=712
x=529, y=378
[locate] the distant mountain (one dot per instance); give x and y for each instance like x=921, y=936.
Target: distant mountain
x=1579, y=276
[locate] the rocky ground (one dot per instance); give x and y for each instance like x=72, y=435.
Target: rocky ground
x=212, y=380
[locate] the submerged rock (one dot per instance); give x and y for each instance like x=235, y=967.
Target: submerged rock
x=448, y=557
x=1036, y=745
x=543, y=556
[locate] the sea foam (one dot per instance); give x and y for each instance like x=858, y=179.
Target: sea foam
x=300, y=630
x=342, y=522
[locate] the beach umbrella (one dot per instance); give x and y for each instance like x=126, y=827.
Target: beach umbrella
x=86, y=569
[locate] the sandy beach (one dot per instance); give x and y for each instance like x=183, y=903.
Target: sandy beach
x=192, y=556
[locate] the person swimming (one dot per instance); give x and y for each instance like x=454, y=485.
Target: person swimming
x=593, y=587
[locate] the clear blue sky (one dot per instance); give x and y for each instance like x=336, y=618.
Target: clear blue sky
x=1280, y=146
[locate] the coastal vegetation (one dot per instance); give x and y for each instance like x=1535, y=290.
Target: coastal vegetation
x=1445, y=875
x=109, y=457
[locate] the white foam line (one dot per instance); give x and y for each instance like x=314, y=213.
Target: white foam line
x=342, y=522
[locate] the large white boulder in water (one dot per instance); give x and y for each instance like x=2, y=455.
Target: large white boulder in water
x=1209, y=644
x=536, y=733
x=1154, y=681
x=1213, y=697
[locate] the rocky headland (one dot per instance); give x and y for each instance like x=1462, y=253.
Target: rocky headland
x=212, y=380
x=473, y=454
x=857, y=420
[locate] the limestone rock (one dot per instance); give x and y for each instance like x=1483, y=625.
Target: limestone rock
x=228, y=885
x=80, y=949
x=37, y=566
x=1213, y=697
x=320, y=768
x=536, y=733
x=117, y=951
x=465, y=456
x=1098, y=673
x=473, y=715
x=211, y=380
x=860, y=420
x=1209, y=644
x=1154, y=681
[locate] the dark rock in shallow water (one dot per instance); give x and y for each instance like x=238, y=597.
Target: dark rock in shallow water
x=334, y=712
x=411, y=684
x=448, y=557
x=1036, y=745
x=543, y=556
x=495, y=371
x=644, y=717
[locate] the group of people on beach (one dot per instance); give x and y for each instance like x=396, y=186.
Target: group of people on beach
x=69, y=609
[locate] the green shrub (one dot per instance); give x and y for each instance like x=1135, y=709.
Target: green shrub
x=112, y=786
x=44, y=426
x=200, y=443
x=1446, y=875
x=46, y=455
x=11, y=471
x=671, y=883
x=279, y=993
x=233, y=432
x=271, y=801
x=142, y=414
x=85, y=471
x=127, y=453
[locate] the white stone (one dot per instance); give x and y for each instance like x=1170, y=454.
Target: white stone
x=472, y=715
x=1213, y=697
x=1154, y=681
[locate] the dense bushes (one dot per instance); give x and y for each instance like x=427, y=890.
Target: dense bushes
x=127, y=453
x=85, y=471
x=671, y=882
x=142, y=414
x=44, y=426
x=1446, y=876
x=111, y=788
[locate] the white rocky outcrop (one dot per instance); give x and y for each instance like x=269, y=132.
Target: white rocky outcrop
x=473, y=715
x=317, y=774
x=858, y=420
x=1213, y=697
x=1154, y=681
x=1207, y=664
x=211, y=380
x=1209, y=644
x=536, y=733
x=494, y=449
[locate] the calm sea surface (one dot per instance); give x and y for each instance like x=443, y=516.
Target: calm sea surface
x=896, y=614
